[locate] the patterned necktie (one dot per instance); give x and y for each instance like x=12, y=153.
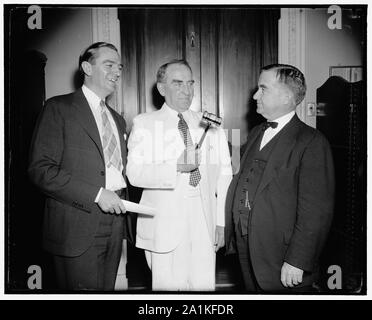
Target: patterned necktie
x=110, y=145
x=269, y=124
x=185, y=134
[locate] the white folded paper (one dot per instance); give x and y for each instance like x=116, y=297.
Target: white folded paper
x=138, y=208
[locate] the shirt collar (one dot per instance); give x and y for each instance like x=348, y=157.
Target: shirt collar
x=92, y=98
x=175, y=113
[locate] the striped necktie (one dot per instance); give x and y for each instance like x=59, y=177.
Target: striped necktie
x=185, y=134
x=110, y=145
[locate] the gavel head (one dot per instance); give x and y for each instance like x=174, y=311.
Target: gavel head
x=211, y=119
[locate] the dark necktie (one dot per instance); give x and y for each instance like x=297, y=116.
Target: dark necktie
x=269, y=124
x=185, y=134
x=110, y=145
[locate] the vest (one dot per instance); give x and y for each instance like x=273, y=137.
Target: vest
x=249, y=179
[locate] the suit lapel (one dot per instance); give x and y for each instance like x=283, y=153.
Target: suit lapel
x=282, y=148
x=86, y=119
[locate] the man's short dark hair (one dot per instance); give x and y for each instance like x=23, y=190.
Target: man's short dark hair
x=160, y=75
x=90, y=53
x=292, y=77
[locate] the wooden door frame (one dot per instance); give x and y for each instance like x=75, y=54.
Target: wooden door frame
x=106, y=27
x=291, y=45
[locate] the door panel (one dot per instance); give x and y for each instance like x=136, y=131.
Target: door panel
x=208, y=60
x=150, y=38
x=162, y=41
x=130, y=54
x=238, y=68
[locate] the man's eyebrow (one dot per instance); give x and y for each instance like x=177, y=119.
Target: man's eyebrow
x=180, y=81
x=262, y=86
x=121, y=66
x=112, y=61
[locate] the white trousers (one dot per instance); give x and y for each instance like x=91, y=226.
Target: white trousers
x=191, y=265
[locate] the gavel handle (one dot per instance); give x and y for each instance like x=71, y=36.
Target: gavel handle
x=198, y=146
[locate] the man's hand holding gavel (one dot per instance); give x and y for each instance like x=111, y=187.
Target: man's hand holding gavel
x=189, y=160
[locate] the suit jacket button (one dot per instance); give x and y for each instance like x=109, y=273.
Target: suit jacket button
x=102, y=173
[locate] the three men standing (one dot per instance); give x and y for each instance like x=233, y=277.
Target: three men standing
x=278, y=207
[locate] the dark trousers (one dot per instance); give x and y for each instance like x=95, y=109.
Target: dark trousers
x=250, y=281
x=96, y=268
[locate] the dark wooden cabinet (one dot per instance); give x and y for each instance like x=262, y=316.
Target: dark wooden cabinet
x=341, y=116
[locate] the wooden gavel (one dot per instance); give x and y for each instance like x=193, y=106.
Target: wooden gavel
x=209, y=119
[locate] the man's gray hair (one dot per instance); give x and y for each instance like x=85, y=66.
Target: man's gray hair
x=160, y=75
x=292, y=77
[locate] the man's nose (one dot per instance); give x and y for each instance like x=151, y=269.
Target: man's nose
x=185, y=89
x=255, y=96
x=117, y=71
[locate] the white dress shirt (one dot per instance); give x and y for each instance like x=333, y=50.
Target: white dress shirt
x=272, y=132
x=114, y=178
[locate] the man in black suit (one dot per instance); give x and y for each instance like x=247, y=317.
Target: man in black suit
x=78, y=160
x=279, y=205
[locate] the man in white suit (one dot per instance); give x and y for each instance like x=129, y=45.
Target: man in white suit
x=187, y=186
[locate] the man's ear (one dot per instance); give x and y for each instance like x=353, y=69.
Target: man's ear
x=287, y=97
x=160, y=87
x=87, y=68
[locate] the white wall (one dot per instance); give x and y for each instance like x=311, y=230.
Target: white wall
x=65, y=33
x=63, y=52
x=325, y=48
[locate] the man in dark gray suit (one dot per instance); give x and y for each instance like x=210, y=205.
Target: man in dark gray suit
x=78, y=160
x=279, y=205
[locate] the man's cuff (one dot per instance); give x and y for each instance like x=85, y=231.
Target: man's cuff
x=98, y=195
x=220, y=221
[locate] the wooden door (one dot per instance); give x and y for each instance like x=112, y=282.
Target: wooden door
x=224, y=47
